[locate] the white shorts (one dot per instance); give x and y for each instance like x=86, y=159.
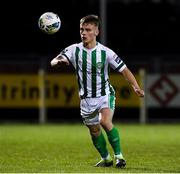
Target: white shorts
x=90, y=108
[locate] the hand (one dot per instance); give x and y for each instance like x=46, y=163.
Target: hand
x=62, y=61
x=139, y=92
x=59, y=60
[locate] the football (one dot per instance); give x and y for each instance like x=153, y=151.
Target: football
x=49, y=22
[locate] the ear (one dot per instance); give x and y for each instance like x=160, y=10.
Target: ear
x=97, y=32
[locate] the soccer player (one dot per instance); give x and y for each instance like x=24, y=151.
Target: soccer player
x=91, y=61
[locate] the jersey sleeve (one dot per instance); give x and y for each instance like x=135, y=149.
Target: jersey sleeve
x=68, y=53
x=115, y=61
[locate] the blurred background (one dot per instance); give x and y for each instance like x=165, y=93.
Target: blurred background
x=144, y=33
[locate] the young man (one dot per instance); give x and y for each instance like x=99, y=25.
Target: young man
x=91, y=61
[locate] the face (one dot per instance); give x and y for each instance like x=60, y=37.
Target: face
x=88, y=32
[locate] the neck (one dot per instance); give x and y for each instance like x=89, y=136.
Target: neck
x=90, y=45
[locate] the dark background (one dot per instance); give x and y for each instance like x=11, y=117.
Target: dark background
x=146, y=33
x=137, y=27
x=19, y=25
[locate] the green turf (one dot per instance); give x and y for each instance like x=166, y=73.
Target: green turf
x=68, y=148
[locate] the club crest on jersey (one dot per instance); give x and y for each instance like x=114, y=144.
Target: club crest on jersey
x=99, y=65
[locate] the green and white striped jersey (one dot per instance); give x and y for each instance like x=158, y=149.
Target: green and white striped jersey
x=92, y=68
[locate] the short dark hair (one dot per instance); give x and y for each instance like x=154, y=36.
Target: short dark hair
x=93, y=19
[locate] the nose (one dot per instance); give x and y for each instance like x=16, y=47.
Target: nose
x=83, y=32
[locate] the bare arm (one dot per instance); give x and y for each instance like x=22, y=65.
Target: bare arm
x=127, y=74
x=59, y=59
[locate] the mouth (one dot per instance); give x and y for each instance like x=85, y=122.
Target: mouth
x=84, y=38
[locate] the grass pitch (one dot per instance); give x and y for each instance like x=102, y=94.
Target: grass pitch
x=67, y=148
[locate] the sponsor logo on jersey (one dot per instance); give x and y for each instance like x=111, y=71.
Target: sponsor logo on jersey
x=118, y=60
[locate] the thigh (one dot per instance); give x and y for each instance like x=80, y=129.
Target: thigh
x=89, y=111
x=107, y=111
x=106, y=114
